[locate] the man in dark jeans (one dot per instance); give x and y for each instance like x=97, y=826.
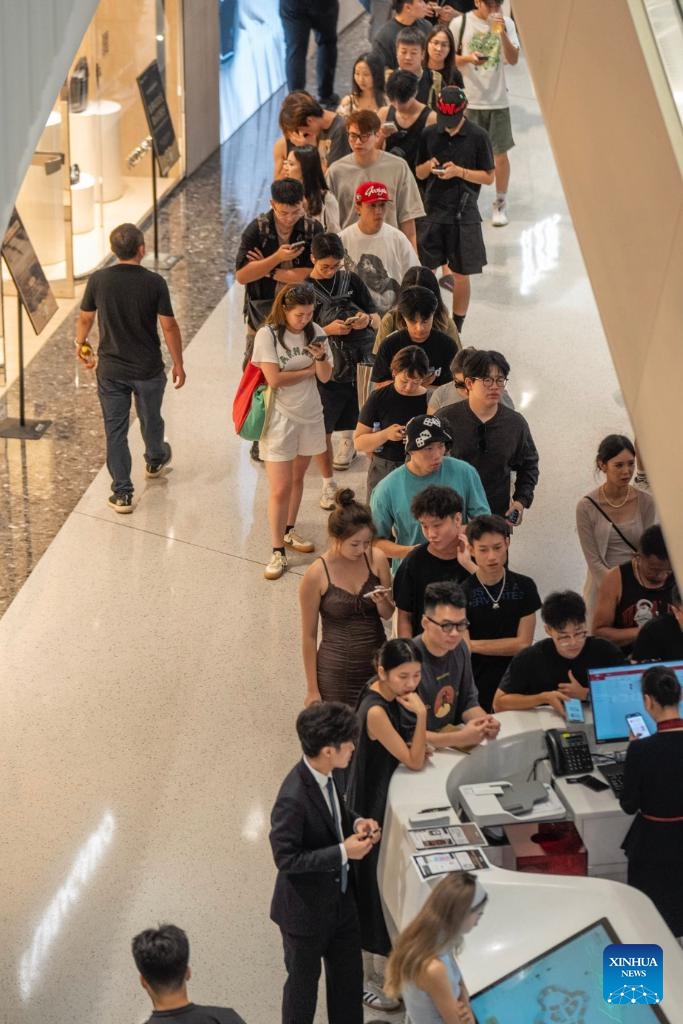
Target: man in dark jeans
x=298, y=18
x=128, y=299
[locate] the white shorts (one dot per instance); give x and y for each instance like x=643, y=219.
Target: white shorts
x=284, y=440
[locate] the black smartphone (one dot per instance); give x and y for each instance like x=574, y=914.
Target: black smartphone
x=590, y=782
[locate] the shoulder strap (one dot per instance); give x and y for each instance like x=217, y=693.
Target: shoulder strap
x=327, y=571
x=437, y=84
x=263, y=226
x=461, y=33
x=611, y=522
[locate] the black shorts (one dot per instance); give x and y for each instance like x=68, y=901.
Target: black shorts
x=340, y=405
x=460, y=244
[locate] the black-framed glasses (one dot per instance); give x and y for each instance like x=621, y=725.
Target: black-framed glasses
x=493, y=382
x=450, y=627
x=459, y=384
x=355, y=137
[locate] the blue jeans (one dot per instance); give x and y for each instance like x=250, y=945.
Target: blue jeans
x=115, y=399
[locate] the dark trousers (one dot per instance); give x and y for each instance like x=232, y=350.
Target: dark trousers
x=299, y=18
x=338, y=946
x=115, y=398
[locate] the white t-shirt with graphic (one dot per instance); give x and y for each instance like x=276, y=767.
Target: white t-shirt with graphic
x=300, y=403
x=484, y=83
x=380, y=261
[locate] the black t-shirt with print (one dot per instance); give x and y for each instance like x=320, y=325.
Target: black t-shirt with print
x=447, y=685
x=417, y=570
x=439, y=349
x=385, y=407
x=540, y=667
x=517, y=598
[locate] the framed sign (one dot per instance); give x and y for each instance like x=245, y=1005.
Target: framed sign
x=30, y=281
x=158, y=118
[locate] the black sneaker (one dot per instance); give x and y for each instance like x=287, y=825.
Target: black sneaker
x=121, y=502
x=153, y=469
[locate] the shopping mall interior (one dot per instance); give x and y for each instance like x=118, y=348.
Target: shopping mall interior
x=151, y=676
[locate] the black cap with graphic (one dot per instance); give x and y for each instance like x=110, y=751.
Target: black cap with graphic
x=450, y=107
x=424, y=430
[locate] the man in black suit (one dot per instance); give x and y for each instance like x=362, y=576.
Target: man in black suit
x=313, y=837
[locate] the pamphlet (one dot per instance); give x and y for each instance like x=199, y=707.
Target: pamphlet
x=429, y=865
x=466, y=834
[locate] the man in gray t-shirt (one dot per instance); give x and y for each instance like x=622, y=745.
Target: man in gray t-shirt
x=454, y=717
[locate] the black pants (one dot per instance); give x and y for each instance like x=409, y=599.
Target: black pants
x=338, y=946
x=299, y=18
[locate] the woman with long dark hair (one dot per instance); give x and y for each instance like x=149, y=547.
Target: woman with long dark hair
x=303, y=164
x=293, y=354
x=653, y=791
x=440, y=56
x=422, y=968
x=367, y=86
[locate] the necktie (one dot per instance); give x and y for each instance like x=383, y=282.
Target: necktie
x=337, y=825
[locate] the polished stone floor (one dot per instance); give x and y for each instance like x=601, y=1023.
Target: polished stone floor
x=151, y=677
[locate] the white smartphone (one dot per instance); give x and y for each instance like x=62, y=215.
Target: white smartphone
x=637, y=726
x=377, y=590
x=574, y=710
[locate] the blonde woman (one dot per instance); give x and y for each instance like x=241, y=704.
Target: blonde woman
x=422, y=968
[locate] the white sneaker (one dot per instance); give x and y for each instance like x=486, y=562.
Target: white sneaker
x=344, y=453
x=295, y=541
x=377, y=999
x=276, y=566
x=499, y=217
x=327, y=497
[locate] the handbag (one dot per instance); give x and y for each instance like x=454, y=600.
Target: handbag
x=255, y=423
x=78, y=87
x=252, y=401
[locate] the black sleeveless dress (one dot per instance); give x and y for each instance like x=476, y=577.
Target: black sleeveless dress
x=352, y=633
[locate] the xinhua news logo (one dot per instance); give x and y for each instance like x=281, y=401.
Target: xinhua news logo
x=632, y=974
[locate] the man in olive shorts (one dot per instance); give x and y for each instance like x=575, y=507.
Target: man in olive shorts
x=454, y=160
x=486, y=42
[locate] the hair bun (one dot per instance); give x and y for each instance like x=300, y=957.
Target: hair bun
x=344, y=497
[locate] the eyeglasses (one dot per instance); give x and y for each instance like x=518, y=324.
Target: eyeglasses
x=460, y=385
x=450, y=627
x=493, y=382
x=355, y=137
x=570, y=639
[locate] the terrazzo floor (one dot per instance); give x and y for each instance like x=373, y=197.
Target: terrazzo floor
x=151, y=677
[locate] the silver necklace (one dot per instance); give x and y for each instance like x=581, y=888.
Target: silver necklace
x=495, y=601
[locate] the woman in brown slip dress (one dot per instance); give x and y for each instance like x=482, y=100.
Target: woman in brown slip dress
x=347, y=589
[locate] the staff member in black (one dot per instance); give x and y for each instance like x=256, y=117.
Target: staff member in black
x=313, y=837
x=653, y=791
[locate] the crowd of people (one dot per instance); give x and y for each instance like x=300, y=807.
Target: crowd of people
x=416, y=630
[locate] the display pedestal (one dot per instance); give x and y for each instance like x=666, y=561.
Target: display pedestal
x=83, y=205
x=96, y=146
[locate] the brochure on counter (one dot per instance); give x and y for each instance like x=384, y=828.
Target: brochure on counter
x=429, y=865
x=449, y=837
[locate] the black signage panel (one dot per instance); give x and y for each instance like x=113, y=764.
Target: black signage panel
x=158, y=118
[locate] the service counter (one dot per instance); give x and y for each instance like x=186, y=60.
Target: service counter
x=526, y=913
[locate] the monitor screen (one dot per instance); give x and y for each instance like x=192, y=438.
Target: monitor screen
x=562, y=984
x=615, y=693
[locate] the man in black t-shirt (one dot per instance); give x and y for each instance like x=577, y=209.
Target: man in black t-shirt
x=501, y=605
x=455, y=159
x=128, y=300
x=162, y=957
x=417, y=306
x=444, y=558
x=661, y=639
x=553, y=670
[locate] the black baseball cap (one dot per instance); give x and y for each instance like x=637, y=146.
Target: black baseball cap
x=450, y=107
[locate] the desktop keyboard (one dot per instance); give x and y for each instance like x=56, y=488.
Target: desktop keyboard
x=614, y=774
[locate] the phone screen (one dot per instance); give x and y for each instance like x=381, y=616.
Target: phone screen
x=574, y=710
x=637, y=726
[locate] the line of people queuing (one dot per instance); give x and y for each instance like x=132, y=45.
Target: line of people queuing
x=346, y=318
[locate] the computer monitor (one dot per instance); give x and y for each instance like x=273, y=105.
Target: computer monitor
x=615, y=693
x=564, y=983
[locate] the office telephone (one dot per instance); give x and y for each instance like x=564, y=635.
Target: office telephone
x=568, y=752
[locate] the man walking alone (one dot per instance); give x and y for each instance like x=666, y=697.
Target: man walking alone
x=127, y=299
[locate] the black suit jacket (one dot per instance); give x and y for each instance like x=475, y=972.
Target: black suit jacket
x=306, y=851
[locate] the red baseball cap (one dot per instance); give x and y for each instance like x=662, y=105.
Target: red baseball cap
x=372, y=192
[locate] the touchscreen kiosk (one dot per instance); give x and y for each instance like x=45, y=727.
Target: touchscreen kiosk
x=562, y=984
x=615, y=694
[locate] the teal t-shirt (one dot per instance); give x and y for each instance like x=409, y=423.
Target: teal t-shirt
x=393, y=496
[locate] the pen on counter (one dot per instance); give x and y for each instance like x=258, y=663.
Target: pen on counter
x=433, y=810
